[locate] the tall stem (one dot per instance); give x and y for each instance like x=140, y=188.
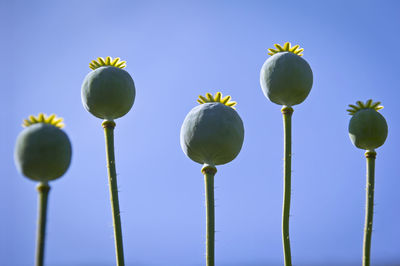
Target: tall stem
x=209, y=173
x=287, y=171
x=43, y=188
x=369, y=207
x=112, y=179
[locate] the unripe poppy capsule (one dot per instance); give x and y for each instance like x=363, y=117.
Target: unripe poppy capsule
x=43, y=151
x=368, y=129
x=108, y=92
x=286, y=78
x=212, y=133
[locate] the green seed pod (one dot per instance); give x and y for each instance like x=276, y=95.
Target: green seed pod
x=108, y=92
x=367, y=128
x=212, y=133
x=43, y=150
x=286, y=78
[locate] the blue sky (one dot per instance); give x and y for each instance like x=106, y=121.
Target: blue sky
x=175, y=51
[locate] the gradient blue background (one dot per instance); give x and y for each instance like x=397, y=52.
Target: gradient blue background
x=176, y=51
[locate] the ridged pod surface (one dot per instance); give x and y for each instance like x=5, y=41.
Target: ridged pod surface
x=286, y=78
x=108, y=92
x=368, y=129
x=212, y=133
x=42, y=152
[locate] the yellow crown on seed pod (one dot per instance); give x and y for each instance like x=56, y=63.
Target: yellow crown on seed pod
x=43, y=118
x=286, y=48
x=217, y=98
x=367, y=105
x=109, y=61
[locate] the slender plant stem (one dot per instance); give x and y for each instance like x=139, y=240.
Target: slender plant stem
x=209, y=173
x=287, y=171
x=43, y=188
x=369, y=207
x=112, y=179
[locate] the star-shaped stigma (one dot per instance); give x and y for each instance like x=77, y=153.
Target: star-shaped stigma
x=367, y=105
x=109, y=61
x=43, y=118
x=286, y=48
x=217, y=98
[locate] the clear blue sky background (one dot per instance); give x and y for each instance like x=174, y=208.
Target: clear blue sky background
x=176, y=51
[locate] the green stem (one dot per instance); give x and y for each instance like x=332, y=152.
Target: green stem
x=287, y=166
x=43, y=188
x=369, y=208
x=209, y=173
x=112, y=179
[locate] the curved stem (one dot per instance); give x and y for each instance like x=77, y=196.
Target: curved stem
x=209, y=173
x=287, y=166
x=369, y=207
x=112, y=179
x=43, y=188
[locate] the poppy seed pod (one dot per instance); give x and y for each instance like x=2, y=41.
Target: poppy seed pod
x=212, y=133
x=43, y=151
x=286, y=78
x=368, y=129
x=108, y=92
